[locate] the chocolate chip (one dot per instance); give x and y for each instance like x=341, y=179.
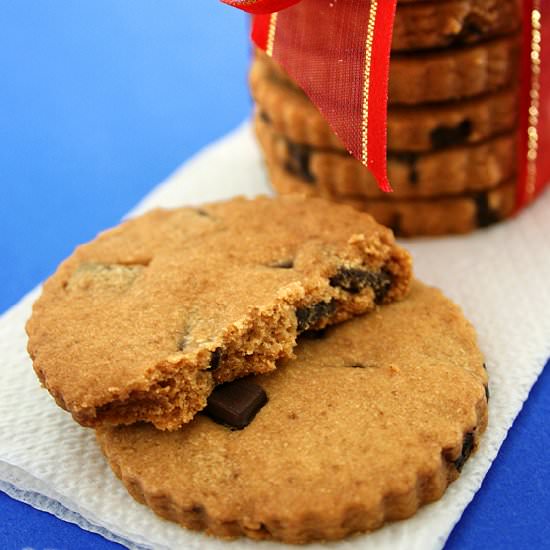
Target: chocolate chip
x=202, y=212
x=485, y=215
x=283, y=264
x=298, y=162
x=410, y=159
x=487, y=394
x=395, y=224
x=447, y=136
x=265, y=117
x=354, y=280
x=309, y=316
x=467, y=448
x=314, y=334
x=357, y=366
x=485, y=366
x=236, y=403
x=215, y=359
x=472, y=30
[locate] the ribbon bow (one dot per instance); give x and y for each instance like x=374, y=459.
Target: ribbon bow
x=338, y=51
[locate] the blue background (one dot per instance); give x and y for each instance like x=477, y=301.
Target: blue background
x=99, y=101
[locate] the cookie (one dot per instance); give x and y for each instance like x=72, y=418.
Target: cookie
x=421, y=25
x=373, y=419
x=448, y=171
x=143, y=322
x=438, y=215
x=441, y=75
x=414, y=129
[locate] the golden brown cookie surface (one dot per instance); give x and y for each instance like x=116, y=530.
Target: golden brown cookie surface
x=369, y=422
x=142, y=322
x=436, y=24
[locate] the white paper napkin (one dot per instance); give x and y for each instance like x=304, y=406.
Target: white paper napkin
x=499, y=276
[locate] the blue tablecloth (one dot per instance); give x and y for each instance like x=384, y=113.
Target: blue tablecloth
x=99, y=101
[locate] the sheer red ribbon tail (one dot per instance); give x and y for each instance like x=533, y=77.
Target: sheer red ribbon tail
x=339, y=53
x=378, y=94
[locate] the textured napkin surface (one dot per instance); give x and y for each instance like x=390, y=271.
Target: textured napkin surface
x=498, y=276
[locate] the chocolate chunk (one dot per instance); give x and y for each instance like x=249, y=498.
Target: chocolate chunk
x=395, y=224
x=485, y=215
x=299, y=161
x=215, y=359
x=236, y=403
x=309, y=316
x=472, y=30
x=447, y=136
x=283, y=264
x=354, y=280
x=202, y=212
x=265, y=117
x=314, y=334
x=410, y=159
x=467, y=448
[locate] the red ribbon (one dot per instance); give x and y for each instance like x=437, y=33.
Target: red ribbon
x=261, y=6
x=534, y=123
x=338, y=51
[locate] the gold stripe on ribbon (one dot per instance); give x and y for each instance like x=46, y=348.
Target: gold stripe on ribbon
x=271, y=34
x=366, y=81
x=534, y=102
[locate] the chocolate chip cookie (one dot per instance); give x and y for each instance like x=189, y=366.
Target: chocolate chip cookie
x=144, y=321
x=449, y=171
x=421, y=25
x=372, y=419
x=437, y=215
x=442, y=75
x=421, y=128
x=451, y=74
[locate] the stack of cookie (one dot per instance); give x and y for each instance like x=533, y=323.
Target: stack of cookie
x=207, y=346
x=452, y=123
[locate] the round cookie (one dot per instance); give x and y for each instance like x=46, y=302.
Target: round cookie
x=142, y=322
x=416, y=129
x=450, y=171
x=438, y=215
x=421, y=25
x=370, y=421
x=446, y=74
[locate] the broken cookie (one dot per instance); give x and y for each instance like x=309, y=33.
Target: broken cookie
x=142, y=323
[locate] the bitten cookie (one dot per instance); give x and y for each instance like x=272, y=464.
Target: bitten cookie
x=451, y=171
x=415, y=129
x=420, y=25
x=141, y=323
x=373, y=419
